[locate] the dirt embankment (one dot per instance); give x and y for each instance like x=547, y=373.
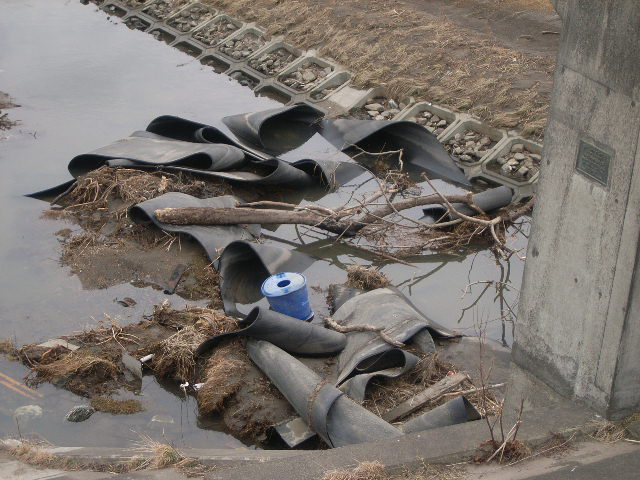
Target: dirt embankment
x=490, y=58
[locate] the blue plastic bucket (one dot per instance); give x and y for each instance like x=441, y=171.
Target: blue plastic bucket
x=287, y=294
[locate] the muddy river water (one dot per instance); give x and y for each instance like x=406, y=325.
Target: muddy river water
x=83, y=80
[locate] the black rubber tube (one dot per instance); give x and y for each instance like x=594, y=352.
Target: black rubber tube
x=292, y=335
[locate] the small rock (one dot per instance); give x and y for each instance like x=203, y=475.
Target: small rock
x=372, y=113
x=308, y=76
x=402, y=106
x=536, y=157
x=501, y=160
x=522, y=172
x=505, y=169
x=519, y=157
x=485, y=141
x=465, y=158
x=387, y=114
x=428, y=115
x=374, y=106
x=126, y=302
x=457, y=136
x=513, y=163
x=441, y=123
x=27, y=412
x=435, y=119
x=517, y=148
x=393, y=111
x=79, y=413
x=379, y=117
x=393, y=104
x=479, y=153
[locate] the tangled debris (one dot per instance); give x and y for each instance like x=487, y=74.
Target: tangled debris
x=365, y=278
x=113, y=191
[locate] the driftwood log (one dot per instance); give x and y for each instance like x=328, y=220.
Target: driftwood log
x=341, y=221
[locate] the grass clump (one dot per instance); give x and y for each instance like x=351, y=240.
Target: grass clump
x=224, y=375
x=365, y=278
x=121, y=188
x=76, y=364
x=38, y=457
x=174, y=356
x=212, y=322
x=363, y=471
x=116, y=407
x=8, y=350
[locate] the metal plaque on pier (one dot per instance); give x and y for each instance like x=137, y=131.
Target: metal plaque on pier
x=593, y=162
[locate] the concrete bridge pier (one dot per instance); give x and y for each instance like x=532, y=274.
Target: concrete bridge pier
x=578, y=326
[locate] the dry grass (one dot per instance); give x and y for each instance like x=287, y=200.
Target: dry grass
x=514, y=450
x=383, y=394
x=38, y=457
x=74, y=365
x=434, y=472
x=365, y=278
x=608, y=432
x=33, y=455
x=224, y=375
x=116, y=407
x=411, y=52
x=174, y=356
x=363, y=471
x=118, y=189
x=8, y=349
x=540, y=5
x=163, y=456
x=210, y=321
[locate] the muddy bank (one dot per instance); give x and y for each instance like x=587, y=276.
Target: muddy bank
x=99, y=364
x=493, y=59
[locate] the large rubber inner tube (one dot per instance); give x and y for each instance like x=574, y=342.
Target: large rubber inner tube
x=487, y=201
x=292, y=335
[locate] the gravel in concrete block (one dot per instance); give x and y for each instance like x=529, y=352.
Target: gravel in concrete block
x=272, y=62
x=215, y=32
x=306, y=75
x=160, y=9
x=469, y=146
x=136, y=23
x=519, y=163
x=134, y=3
x=190, y=17
x=243, y=46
